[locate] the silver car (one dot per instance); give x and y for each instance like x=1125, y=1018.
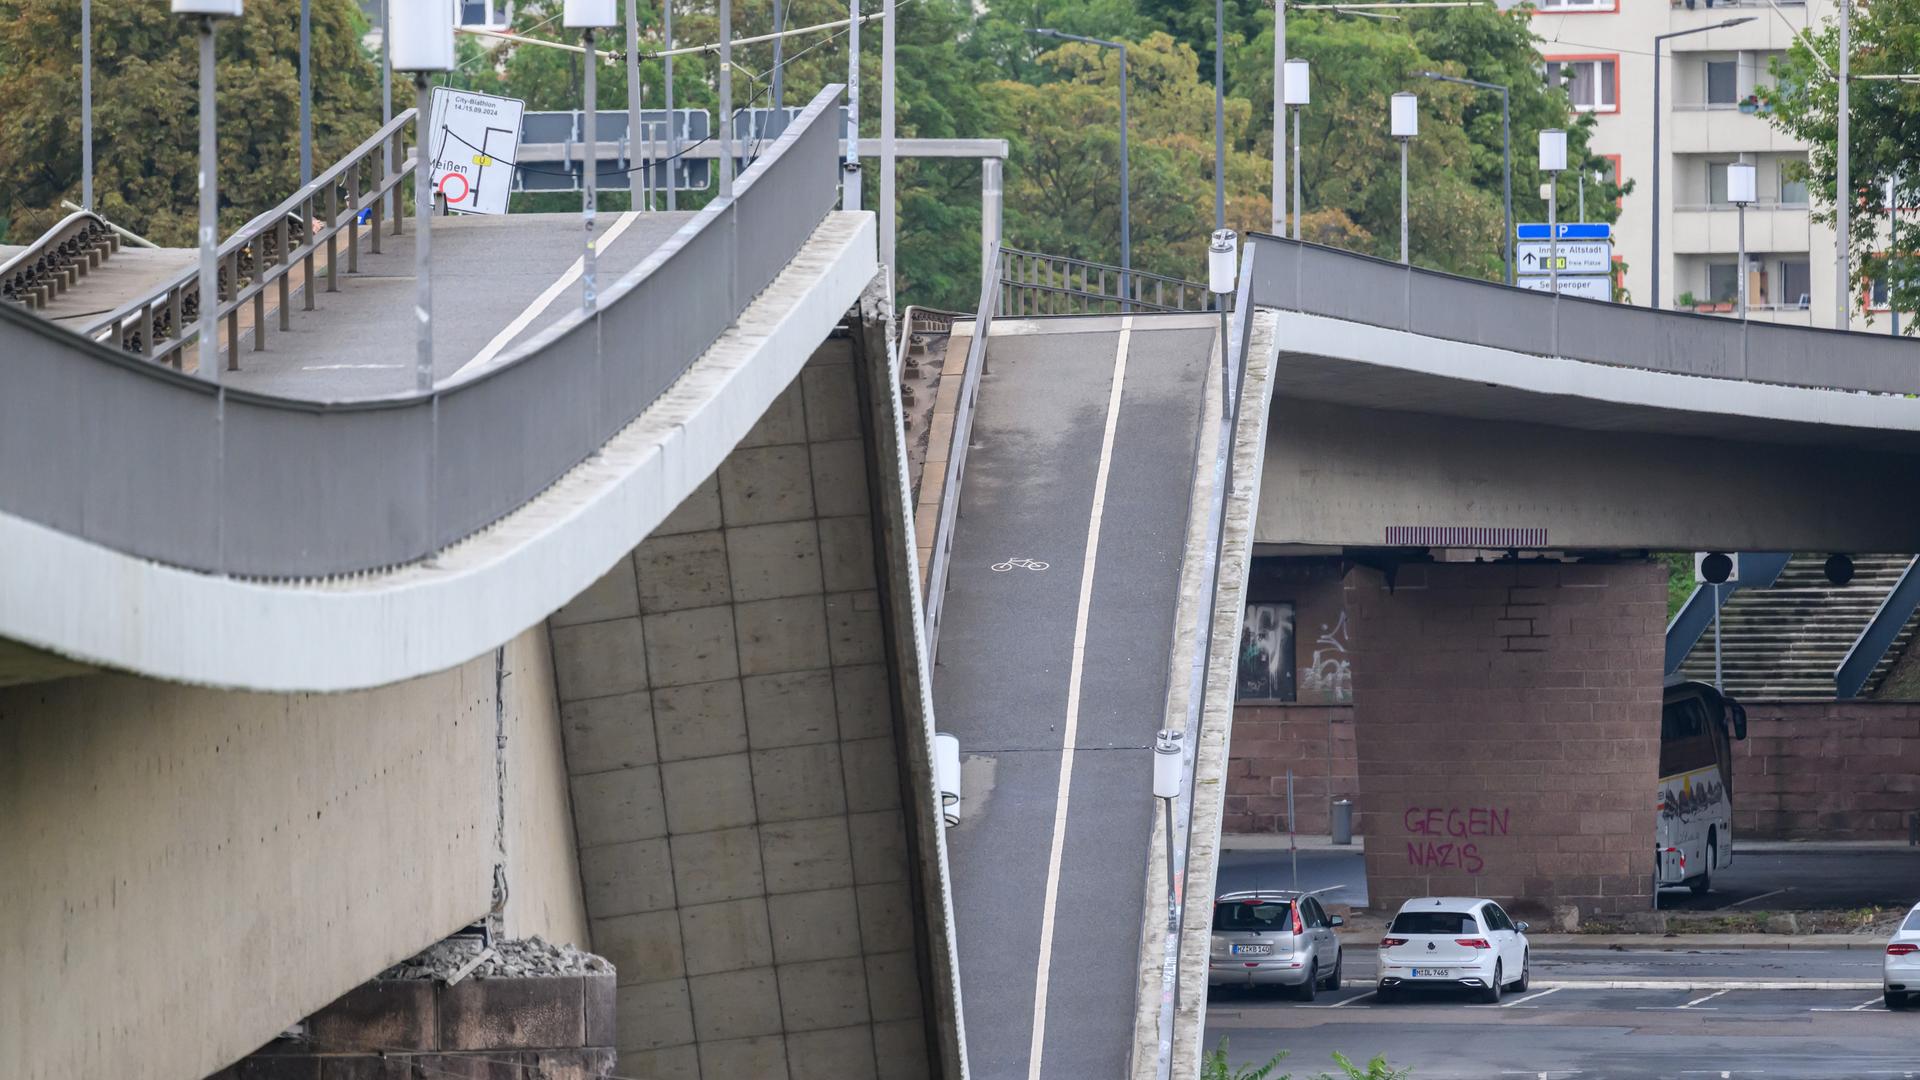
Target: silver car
x=1274, y=939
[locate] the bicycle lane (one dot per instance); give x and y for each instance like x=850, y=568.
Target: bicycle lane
x=1000, y=678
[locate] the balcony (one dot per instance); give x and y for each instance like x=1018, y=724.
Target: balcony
x=1715, y=230
x=1724, y=129
x=1765, y=33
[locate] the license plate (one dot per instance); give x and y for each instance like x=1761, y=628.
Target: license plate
x=1253, y=950
x=1433, y=973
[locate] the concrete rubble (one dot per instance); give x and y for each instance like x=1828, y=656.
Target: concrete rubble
x=515, y=958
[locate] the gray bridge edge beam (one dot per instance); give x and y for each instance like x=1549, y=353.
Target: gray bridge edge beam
x=1879, y=634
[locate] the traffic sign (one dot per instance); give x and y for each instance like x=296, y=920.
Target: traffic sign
x=475, y=139
x=1587, y=286
x=1569, y=230
x=1576, y=257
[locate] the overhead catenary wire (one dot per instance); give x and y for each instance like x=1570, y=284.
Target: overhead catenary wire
x=611, y=56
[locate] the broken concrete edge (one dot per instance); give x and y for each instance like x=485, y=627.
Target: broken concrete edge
x=911, y=670
x=1152, y=989
x=569, y=1014
x=1216, y=724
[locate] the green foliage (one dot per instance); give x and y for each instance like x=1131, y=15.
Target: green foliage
x=1883, y=132
x=1680, y=582
x=146, y=123
x=1215, y=1065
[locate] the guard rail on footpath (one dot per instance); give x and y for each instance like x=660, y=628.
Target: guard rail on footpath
x=1879, y=634
x=144, y=460
x=1314, y=280
x=263, y=253
x=940, y=559
x=1036, y=284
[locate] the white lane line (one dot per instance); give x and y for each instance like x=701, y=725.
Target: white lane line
x=1073, y=699
x=347, y=367
x=1704, y=1000
x=545, y=300
x=1762, y=896
x=1870, y=1002
x=1343, y=1004
x=1530, y=997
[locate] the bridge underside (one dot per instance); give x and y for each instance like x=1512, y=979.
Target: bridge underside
x=1385, y=439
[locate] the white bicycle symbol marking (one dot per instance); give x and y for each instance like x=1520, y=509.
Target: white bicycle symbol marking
x=1027, y=564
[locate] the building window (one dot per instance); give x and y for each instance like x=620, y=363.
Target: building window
x=1578, y=5
x=486, y=14
x=1796, y=283
x=1877, y=291
x=1717, y=183
x=1266, y=654
x=1723, y=282
x=1723, y=82
x=1793, y=182
x=1592, y=83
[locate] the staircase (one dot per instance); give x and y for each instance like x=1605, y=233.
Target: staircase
x=1784, y=643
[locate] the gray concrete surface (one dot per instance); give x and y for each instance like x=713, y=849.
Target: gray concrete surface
x=1001, y=681
x=1678, y=1014
x=1773, y=878
x=359, y=342
x=123, y=277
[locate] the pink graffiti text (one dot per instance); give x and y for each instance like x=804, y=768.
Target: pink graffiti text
x=1457, y=821
x=1438, y=856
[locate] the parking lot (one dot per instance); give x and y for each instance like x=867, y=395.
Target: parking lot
x=1600, y=1013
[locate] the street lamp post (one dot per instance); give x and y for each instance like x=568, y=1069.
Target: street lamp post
x=86, y=103
x=1221, y=256
x=1126, y=187
x=306, y=91
x=587, y=16
x=422, y=43
x=1404, y=121
x=1296, y=94
x=1279, y=121
x=1553, y=159
x=1167, y=759
x=1219, y=114
x=1657, y=39
x=1506, y=147
x=208, y=11
x=1843, y=186
x=1741, y=183
x=636, y=181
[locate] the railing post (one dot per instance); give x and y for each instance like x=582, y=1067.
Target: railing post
x=333, y=245
x=146, y=331
x=353, y=218
x=392, y=150
x=175, y=325
x=306, y=258
x=286, y=299
x=379, y=200
x=233, y=313
x=259, y=246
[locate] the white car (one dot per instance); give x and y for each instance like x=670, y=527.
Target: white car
x=1900, y=972
x=1447, y=941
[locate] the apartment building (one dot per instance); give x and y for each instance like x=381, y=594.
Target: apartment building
x=1602, y=52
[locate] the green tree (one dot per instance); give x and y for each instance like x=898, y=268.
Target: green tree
x=145, y=89
x=1883, y=133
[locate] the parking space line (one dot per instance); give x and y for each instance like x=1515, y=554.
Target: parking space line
x=1518, y=1002
x=1867, y=1003
x=1349, y=1001
x=1762, y=896
x=1704, y=1000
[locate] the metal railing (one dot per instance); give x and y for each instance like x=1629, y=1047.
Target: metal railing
x=149, y=462
x=1037, y=284
x=1758, y=570
x=1323, y=281
x=1879, y=634
x=940, y=557
x=264, y=252
x=57, y=260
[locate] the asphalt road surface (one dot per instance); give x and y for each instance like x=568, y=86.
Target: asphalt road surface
x=1597, y=1013
x=1769, y=879
x=1009, y=685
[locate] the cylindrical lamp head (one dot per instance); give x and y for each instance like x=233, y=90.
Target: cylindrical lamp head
x=1406, y=115
x=1166, y=764
x=422, y=35
x=1553, y=150
x=1221, y=252
x=223, y=8
x=1293, y=84
x=1742, y=183
x=590, y=14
